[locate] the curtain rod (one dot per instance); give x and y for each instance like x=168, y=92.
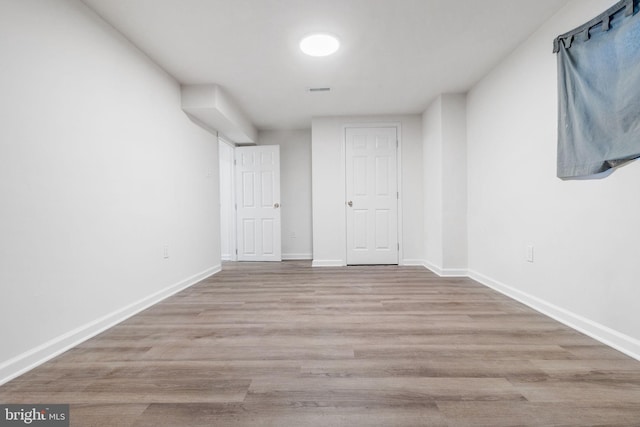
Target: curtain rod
x=604, y=19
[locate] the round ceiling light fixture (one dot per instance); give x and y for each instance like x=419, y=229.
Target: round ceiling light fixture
x=320, y=44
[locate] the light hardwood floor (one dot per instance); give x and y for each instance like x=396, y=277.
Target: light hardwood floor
x=283, y=344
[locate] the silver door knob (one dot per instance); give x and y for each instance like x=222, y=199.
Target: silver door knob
x=276, y=205
x=350, y=203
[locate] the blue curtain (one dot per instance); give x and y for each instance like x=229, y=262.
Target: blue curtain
x=599, y=93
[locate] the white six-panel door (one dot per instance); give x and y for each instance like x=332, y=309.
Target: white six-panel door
x=372, y=195
x=258, y=203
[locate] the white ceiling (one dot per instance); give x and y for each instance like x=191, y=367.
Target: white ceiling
x=396, y=55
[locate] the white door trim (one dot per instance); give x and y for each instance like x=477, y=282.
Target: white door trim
x=230, y=210
x=343, y=173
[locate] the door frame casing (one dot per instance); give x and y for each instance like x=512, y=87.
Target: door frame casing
x=230, y=210
x=343, y=173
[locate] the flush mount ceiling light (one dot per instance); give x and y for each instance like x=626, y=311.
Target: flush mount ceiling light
x=319, y=44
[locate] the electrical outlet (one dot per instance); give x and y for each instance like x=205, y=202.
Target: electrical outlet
x=529, y=253
x=165, y=251
x=292, y=235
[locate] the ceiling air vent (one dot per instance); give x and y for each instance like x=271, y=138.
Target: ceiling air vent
x=319, y=89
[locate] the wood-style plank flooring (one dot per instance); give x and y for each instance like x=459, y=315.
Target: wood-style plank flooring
x=284, y=344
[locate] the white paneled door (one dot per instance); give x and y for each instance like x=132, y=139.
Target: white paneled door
x=258, y=203
x=372, y=195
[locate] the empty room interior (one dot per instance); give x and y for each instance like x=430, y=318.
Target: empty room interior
x=320, y=212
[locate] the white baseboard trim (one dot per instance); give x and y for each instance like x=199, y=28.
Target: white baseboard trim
x=30, y=359
x=445, y=272
x=291, y=257
x=327, y=263
x=617, y=340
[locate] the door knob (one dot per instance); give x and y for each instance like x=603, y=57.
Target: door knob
x=276, y=205
x=350, y=203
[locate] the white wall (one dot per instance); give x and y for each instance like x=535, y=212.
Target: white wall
x=454, y=179
x=328, y=187
x=227, y=202
x=585, y=233
x=99, y=170
x=445, y=184
x=432, y=175
x=295, y=189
